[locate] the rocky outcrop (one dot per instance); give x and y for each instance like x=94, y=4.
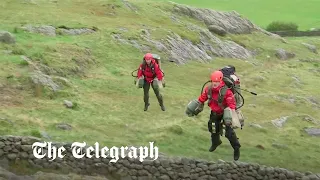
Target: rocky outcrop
x=222, y=48
x=181, y=50
x=75, y=31
x=130, y=6
x=49, y=77
x=313, y=131
x=49, y=30
x=40, y=79
x=231, y=22
x=17, y=149
x=222, y=21
x=206, y=44
x=280, y=122
x=43, y=29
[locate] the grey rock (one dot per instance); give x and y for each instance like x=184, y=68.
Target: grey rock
x=76, y=31
x=284, y=55
x=305, y=178
x=314, y=101
x=39, y=78
x=130, y=6
x=311, y=47
x=29, y=140
x=68, y=103
x=256, y=125
x=217, y=30
x=42, y=29
x=7, y=38
x=313, y=131
x=26, y=148
x=24, y=155
x=2, y=144
x=310, y=119
x=64, y=126
x=279, y=122
x=313, y=177
x=12, y=156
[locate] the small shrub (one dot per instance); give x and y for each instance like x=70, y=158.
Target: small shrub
x=282, y=26
x=16, y=30
x=35, y=133
x=17, y=50
x=176, y=129
x=23, y=63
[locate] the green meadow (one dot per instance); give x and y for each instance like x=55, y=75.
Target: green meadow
x=108, y=106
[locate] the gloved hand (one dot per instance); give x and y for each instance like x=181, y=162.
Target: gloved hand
x=163, y=83
x=228, y=123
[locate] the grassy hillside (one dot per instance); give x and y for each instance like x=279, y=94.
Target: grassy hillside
x=303, y=13
x=110, y=108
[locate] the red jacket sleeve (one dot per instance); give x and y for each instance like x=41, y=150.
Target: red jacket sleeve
x=158, y=72
x=204, y=96
x=139, y=73
x=230, y=100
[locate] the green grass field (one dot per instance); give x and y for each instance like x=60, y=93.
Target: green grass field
x=303, y=13
x=109, y=106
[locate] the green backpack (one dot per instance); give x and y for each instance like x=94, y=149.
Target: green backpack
x=140, y=82
x=229, y=84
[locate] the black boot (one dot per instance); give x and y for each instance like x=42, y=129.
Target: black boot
x=236, y=153
x=162, y=107
x=215, y=142
x=146, y=106
x=214, y=147
x=234, y=142
x=146, y=88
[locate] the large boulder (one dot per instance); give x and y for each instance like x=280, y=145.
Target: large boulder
x=7, y=37
x=284, y=55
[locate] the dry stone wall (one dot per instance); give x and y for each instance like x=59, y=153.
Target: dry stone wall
x=16, y=149
x=297, y=33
